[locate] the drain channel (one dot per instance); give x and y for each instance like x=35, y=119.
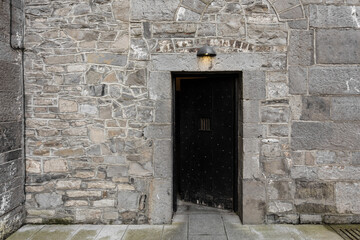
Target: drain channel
x=348, y=232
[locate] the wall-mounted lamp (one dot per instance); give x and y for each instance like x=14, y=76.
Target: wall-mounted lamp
x=206, y=51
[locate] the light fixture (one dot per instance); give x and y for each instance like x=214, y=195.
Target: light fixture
x=206, y=51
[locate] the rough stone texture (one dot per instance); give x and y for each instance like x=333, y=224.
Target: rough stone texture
x=347, y=195
x=12, y=172
x=338, y=46
x=334, y=80
x=325, y=136
x=301, y=48
x=98, y=102
x=333, y=16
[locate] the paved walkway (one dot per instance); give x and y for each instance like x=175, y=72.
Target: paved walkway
x=190, y=223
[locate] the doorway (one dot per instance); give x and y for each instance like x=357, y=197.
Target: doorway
x=205, y=146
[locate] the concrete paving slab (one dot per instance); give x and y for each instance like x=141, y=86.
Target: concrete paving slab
x=236, y=231
x=176, y=231
x=231, y=218
x=318, y=232
x=112, y=232
x=143, y=233
x=56, y=232
x=180, y=218
x=200, y=237
x=87, y=232
x=26, y=232
x=209, y=224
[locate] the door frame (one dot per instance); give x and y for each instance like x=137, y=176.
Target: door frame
x=237, y=183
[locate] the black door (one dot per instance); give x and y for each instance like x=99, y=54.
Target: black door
x=206, y=140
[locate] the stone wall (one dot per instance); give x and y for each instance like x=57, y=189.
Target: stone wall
x=12, y=197
x=98, y=105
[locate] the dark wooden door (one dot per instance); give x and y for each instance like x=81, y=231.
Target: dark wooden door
x=207, y=141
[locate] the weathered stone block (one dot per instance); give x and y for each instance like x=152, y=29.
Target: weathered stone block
x=278, y=130
x=154, y=10
x=158, y=132
x=347, y=197
x=171, y=30
x=87, y=215
x=184, y=14
x=11, y=106
x=253, y=130
x=69, y=152
x=230, y=25
x=10, y=136
x=325, y=157
x=163, y=158
x=128, y=200
x=254, y=85
x=297, y=80
x=11, y=199
x=275, y=114
x=339, y=173
x=139, y=50
x=275, y=167
x=324, y=136
x=292, y=13
x=306, y=173
x=251, y=166
x=11, y=221
x=159, y=85
x=68, y=184
x=254, y=206
x=97, y=135
x=301, y=49
x=251, y=113
x=298, y=24
x=121, y=10
x=10, y=76
x=355, y=159
x=117, y=171
x=48, y=200
x=104, y=203
x=66, y=106
x=276, y=90
x=338, y=46
x=137, y=78
x=314, y=190
x=334, y=80
x=280, y=207
x=222, y=62
x=107, y=58
x=315, y=108
x=163, y=111
x=345, y=109
x=330, y=16
x=313, y=208
x=310, y=219
x=57, y=165
x=83, y=194
x=281, y=190
x=196, y=5
x=160, y=201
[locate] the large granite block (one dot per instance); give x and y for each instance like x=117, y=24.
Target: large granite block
x=338, y=46
x=334, y=80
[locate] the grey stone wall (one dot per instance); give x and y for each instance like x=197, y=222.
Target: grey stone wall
x=325, y=120
x=98, y=105
x=12, y=173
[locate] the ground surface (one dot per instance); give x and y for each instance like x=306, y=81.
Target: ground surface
x=190, y=223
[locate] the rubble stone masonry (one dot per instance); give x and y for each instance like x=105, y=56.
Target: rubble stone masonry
x=98, y=99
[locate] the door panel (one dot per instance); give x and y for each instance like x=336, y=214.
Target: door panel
x=206, y=118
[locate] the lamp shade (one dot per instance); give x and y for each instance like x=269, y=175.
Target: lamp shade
x=206, y=51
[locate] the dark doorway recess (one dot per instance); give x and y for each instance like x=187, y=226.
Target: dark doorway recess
x=205, y=139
